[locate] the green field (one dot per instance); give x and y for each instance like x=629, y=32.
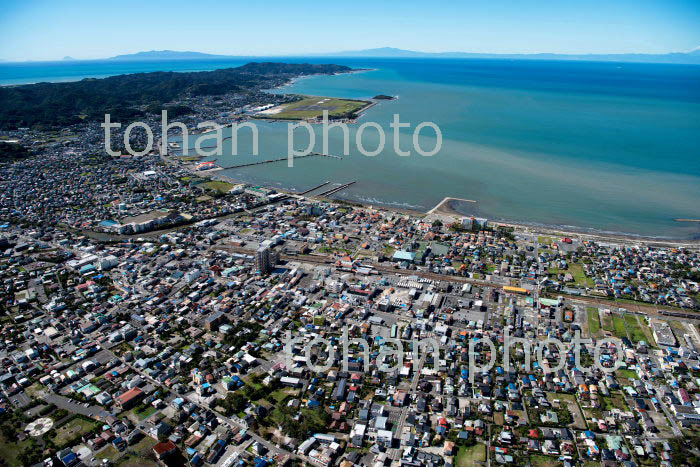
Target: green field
x=635, y=329
x=619, y=326
x=539, y=460
x=580, y=277
x=221, y=187
x=75, y=428
x=593, y=321
x=629, y=374
x=311, y=107
x=576, y=271
x=281, y=394
x=467, y=456
x=145, y=411
x=629, y=326
x=607, y=322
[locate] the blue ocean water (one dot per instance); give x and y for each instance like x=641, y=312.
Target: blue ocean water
x=605, y=146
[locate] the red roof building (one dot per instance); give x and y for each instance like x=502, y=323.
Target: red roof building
x=164, y=449
x=129, y=398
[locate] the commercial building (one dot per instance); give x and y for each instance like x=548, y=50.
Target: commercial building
x=262, y=260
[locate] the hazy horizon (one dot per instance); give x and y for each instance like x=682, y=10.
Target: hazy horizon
x=357, y=52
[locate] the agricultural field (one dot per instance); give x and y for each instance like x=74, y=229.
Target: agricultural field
x=312, y=107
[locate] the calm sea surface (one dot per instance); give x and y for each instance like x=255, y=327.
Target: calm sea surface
x=604, y=146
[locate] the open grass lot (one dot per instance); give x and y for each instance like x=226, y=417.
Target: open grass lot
x=334, y=250
x=74, y=428
x=580, y=277
x=615, y=401
x=619, y=326
x=138, y=455
x=634, y=329
x=221, y=187
x=607, y=322
x=576, y=271
x=647, y=332
x=143, y=448
x=107, y=453
x=121, y=348
x=281, y=394
x=319, y=320
x=629, y=374
x=467, y=456
x=311, y=107
x=145, y=412
x=539, y=460
x=593, y=321
x=498, y=418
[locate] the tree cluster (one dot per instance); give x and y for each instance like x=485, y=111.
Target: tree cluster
x=127, y=97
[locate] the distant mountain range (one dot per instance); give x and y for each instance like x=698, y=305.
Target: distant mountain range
x=692, y=57
x=166, y=55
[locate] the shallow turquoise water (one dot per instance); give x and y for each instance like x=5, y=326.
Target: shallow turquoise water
x=588, y=148
x=604, y=146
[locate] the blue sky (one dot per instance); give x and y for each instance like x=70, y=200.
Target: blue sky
x=45, y=30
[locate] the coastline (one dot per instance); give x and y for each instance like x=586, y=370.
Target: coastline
x=446, y=210
x=588, y=233
x=443, y=210
x=291, y=81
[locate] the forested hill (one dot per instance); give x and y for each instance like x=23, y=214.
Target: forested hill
x=124, y=96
